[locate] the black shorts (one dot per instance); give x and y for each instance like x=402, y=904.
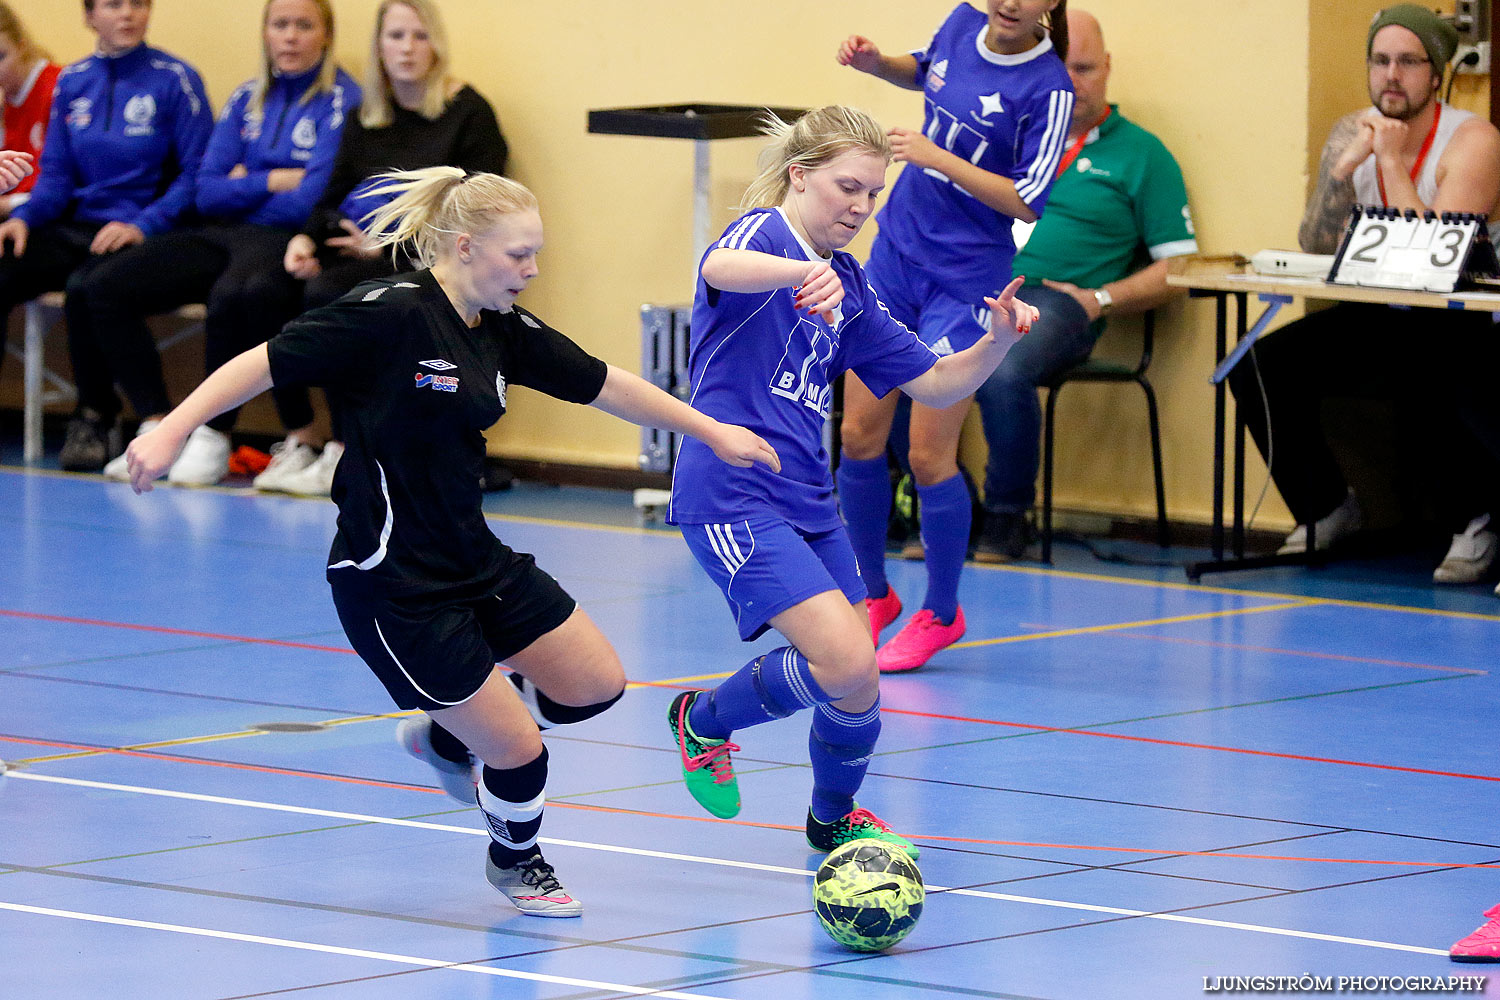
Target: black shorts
x=436, y=651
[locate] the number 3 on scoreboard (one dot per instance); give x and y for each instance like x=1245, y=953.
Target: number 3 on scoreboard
x=1452, y=244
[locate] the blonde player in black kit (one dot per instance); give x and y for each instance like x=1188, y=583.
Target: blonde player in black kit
x=431, y=600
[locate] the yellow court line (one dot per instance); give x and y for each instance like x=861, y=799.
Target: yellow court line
x=192, y=740
x=1092, y=629
x=1196, y=588
x=670, y=681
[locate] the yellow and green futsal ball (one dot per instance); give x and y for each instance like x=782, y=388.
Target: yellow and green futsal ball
x=868, y=895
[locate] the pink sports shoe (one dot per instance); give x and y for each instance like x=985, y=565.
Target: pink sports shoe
x=1483, y=945
x=883, y=611
x=917, y=641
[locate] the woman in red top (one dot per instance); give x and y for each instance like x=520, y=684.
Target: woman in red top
x=27, y=77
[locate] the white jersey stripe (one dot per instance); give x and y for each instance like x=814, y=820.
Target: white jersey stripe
x=714, y=541
x=378, y=555
x=1039, y=173
x=741, y=233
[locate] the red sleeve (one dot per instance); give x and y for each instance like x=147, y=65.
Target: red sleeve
x=26, y=123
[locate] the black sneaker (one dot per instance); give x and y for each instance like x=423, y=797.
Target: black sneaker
x=1004, y=538
x=90, y=443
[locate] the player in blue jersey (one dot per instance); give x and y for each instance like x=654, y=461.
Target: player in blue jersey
x=998, y=105
x=779, y=312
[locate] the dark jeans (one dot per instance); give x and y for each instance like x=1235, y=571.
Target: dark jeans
x=339, y=275
x=57, y=258
x=235, y=268
x=1438, y=366
x=1008, y=404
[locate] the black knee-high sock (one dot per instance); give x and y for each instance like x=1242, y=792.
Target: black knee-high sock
x=512, y=800
x=448, y=746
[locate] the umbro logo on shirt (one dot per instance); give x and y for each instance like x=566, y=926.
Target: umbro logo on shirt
x=438, y=365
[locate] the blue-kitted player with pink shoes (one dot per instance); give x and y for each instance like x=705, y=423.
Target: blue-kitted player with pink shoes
x=779, y=312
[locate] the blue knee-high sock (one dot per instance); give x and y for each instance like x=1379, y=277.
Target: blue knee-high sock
x=865, y=501
x=839, y=745
x=769, y=687
x=945, y=535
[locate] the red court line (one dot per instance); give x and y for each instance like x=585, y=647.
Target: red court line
x=34, y=616
x=617, y=810
x=1190, y=746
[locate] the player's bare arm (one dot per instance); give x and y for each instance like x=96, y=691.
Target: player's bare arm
x=1328, y=208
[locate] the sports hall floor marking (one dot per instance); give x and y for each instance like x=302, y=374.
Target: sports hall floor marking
x=379, y=956
x=697, y=859
x=1311, y=654
x=1120, y=626
x=647, y=532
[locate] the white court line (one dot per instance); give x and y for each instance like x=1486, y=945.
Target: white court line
x=379, y=956
x=726, y=863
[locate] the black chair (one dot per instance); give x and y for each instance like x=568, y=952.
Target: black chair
x=1105, y=371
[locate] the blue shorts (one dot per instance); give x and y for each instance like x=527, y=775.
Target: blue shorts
x=765, y=566
x=941, y=320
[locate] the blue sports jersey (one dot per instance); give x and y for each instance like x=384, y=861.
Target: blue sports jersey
x=758, y=362
x=124, y=142
x=1008, y=114
x=287, y=132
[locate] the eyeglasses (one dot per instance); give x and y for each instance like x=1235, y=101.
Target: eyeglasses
x=1382, y=61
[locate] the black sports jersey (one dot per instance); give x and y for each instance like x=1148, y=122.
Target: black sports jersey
x=416, y=389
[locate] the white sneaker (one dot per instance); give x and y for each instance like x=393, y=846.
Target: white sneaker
x=1334, y=527
x=204, y=460
x=288, y=458
x=117, y=467
x=317, y=479
x=414, y=735
x=1470, y=556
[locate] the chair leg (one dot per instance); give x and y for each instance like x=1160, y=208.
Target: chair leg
x=31, y=424
x=1162, y=536
x=1047, y=428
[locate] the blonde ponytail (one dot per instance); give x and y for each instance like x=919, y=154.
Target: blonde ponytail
x=811, y=141
x=432, y=206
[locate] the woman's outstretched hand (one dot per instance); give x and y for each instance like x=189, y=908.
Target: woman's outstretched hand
x=1008, y=311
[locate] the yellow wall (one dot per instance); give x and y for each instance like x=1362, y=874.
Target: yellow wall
x=1242, y=93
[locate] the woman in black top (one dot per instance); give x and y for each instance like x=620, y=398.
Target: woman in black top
x=414, y=114
x=429, y=598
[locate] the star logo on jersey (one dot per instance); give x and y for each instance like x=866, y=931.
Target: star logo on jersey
x=438, y=365
x=989, y=104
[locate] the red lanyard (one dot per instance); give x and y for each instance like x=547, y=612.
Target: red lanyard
x=1077, y=147
x=1416, y=168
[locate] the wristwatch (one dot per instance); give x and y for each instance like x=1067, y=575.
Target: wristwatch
x=1106, y=301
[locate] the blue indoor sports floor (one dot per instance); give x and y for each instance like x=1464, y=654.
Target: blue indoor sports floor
x=1123, y=787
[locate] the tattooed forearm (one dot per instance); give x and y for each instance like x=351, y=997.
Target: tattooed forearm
x=1328, y=208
